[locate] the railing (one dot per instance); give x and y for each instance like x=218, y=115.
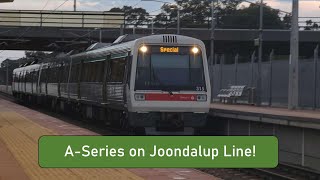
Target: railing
x=80, y=19
x=223, y=22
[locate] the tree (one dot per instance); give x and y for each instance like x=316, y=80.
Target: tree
x=161, y=20
x=197, y=13
x=287, y=21
x=133, y=16
x=249, y=18
x=37, y=56
x=310, y=25
x=193, y=13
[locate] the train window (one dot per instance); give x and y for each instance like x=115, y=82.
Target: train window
x=173, y=71
x=93, y=71
x=85, y=72
x=19, y=77
x=15, y=77
x=99, y=71
x=117, y=67
x=43, y=75
x=53, y=75
x=64, y=73
x=31, y=76
x=48, y=75
x=129, y=69
x=27, y=77
x=74, y=73
x=143, y=70
x=35, y=76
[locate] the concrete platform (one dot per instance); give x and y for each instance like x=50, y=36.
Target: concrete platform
x=20, y=129
x=281, y=116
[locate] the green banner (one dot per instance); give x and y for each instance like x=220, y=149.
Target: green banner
x=158, y=152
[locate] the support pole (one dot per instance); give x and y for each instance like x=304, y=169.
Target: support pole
x=221, y=73
x=236, y=60
x=7, y=78
x=152, y=26
x=178, y=28
x=134, y=30
x=259, y=82
x=75, y=5
x=303, y=148
x=271, y=79
x=253, y=57
x=315, y=76
x=122, y=29
x=213, y=24
x=293, y=101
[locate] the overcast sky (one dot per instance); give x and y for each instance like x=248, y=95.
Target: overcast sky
x=307, y=8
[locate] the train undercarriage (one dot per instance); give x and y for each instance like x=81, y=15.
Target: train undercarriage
x=117, y=117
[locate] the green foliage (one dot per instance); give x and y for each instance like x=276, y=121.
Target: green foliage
x=249, y=18
x=197, y=13
x=134, y=16
x=193, y=13
x=310, y=25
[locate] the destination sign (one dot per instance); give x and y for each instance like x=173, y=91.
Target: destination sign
x=169, y=49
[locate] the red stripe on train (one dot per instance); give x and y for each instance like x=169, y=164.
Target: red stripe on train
x=168, y=97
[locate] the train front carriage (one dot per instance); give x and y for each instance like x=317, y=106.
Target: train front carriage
x=157, y=83
x=169, y=87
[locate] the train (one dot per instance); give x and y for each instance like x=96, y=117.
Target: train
x=157, y=83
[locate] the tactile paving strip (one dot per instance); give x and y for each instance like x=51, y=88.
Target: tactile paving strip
x=21, y=137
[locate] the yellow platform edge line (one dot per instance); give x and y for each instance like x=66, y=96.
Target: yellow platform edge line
x=19, y=132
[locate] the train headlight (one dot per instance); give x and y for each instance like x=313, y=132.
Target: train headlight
x=144, y=49
x=195, y=50
x=201, y=97
x=139, y=97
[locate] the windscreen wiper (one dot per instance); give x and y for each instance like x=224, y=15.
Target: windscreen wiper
x=163, y=86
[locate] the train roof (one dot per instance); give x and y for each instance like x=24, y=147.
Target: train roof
x=121, y=46
x=27, y=68
x=125, y=47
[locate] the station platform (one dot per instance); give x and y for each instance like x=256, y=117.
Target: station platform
x=20, y=129
x=282, y=116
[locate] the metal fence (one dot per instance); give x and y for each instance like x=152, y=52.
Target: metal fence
x=79, y=19
x=274, y=75
x=244, y=71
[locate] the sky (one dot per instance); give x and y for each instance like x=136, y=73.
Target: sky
x=308, y=8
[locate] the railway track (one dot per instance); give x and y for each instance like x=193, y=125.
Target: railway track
x=282, y=172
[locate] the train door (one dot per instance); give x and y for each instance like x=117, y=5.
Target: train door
x=31, y=79
x=25, y=81
x=116, y=77
x=127, y=78
x=19, y=82
x=105, y=79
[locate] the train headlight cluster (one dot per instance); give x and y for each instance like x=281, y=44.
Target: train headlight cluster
x=139, y=97
x=201, y=97
x=144, y=49
x=195, y=50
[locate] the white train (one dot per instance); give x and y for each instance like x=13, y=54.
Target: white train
x=158, y=82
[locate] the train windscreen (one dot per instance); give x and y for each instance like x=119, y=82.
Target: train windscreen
x=170, y=69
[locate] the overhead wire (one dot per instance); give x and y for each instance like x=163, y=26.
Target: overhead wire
x=137, y=4
x=115, y=26
x=45, y=5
